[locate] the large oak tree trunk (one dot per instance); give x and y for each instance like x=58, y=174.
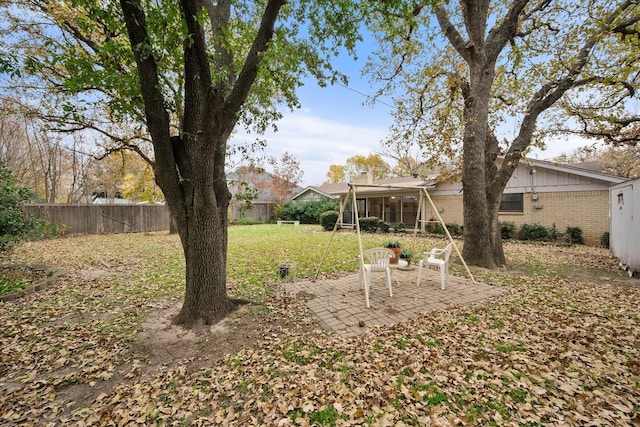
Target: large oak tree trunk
x=201, y=219
x=204, y=241
x=475, y=178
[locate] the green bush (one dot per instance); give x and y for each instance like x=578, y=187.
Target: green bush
x=604, y=240
x=437, y=228
x=399, y=228
x=308, y=212
x=370, y=224
x=278, y=212
x=508, y=230
x=328, y=219
x=245, y=221
x=575, y=235
x=454, y=229
x=534, y=232
x=14, y=225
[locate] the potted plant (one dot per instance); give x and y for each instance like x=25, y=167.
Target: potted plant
x=406, y=255
x=395, y=246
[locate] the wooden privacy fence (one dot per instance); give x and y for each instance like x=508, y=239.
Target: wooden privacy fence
x=258, y=211
x=102, y=219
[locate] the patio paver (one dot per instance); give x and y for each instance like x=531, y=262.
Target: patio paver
x=339, y=303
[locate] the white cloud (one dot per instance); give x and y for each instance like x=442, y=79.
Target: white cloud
x=318, y=143
x=560, y=146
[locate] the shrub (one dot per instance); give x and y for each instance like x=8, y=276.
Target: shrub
x=370, y=224
x=245, y=221
x=454, y=229
x=508, y=230
x=14, y=225
x=575, y=235
x=437, y=228
x=398, y=228
x=328, y=219
x=604, y=240
x=535, y=232
x=278, y=212
x=308, y=212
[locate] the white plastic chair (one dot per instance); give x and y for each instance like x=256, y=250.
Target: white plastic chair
x=438, y=258
x=375, y=260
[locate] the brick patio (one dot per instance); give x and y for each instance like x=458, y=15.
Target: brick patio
x=340, y=305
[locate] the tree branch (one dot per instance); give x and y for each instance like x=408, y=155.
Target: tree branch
x=505, y=31
x=124, y=147
x=220, y=15
x=451, y=33
x=157, y=118
x=249, y=71
x=624, y=26
x=551, y=92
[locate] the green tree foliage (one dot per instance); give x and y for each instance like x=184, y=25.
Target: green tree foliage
x=373, y=164
x=336, y=174
x=356, y=165
x=177, y=76
x=487, y=78
x=14, y=226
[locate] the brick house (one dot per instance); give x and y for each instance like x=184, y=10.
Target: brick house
x=539, y=192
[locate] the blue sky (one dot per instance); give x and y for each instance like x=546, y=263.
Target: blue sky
x=332, y=125
x=335, y=123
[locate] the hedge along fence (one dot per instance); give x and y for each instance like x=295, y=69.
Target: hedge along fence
x=101, y=219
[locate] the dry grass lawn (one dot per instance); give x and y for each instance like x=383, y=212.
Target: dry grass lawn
x=562, y=347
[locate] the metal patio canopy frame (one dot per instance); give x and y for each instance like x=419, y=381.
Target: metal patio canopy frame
x=352, y=192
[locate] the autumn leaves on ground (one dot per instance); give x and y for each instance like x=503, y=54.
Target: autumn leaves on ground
x=562, y=347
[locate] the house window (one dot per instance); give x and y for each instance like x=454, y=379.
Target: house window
x=376, y=207
x=512, y=202
x=392, y=209
x=409, y=210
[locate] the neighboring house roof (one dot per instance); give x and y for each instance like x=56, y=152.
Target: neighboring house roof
x=313, y=189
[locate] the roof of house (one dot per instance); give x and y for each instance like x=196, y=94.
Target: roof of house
x=374, y=186
x=586, y=169
x=592, y=166
x=314, y=189
x=366, y=185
